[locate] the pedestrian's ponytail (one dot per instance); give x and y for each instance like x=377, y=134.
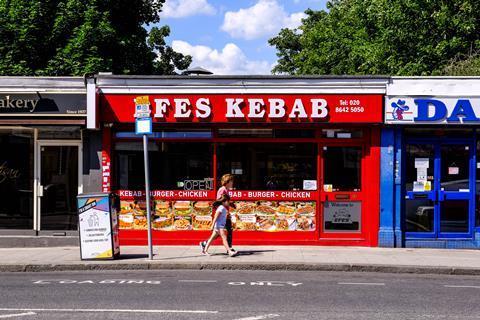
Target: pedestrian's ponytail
x=222, y=200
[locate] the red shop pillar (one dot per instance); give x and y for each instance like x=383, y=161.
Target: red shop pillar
x=106, y=156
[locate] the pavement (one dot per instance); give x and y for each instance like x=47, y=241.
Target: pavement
x=298, y=258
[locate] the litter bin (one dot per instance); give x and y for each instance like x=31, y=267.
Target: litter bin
x=98, y=225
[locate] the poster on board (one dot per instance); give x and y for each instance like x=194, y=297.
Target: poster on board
x=98, y=227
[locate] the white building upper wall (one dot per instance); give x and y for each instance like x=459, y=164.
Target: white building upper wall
x=42, y=85
x=434, y=86
x=241, y=84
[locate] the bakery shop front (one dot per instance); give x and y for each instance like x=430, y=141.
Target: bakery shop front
x=41, y=159
x=304, y=152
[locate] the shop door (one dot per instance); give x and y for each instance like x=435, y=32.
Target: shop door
x=342, y=193
x=440, y=189
x=58, y=187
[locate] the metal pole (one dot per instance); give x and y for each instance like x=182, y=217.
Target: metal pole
x=147, y=195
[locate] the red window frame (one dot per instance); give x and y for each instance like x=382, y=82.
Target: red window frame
x=370, y=171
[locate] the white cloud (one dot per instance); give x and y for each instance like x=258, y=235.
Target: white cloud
x=186, y=8
x=230, y=60
x=265, y=18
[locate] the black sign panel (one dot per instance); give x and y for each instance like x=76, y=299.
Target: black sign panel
x=43, y=104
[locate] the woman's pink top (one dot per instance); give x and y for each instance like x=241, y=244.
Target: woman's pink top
x=221, y=192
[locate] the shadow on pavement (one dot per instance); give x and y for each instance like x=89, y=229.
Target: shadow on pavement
x=252, y=252
x=132, y=256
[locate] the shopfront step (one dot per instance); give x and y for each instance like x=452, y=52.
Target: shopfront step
x=37, y=241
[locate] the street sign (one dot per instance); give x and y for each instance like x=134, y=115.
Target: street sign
x=143, y=126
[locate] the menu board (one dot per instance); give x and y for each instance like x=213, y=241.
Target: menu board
x=267, y=216
x=97, y=227
x=342, y=216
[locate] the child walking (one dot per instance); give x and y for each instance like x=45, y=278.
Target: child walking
x=218, y=225
x=227, y=184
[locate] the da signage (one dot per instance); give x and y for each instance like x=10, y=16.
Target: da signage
x=428, y=110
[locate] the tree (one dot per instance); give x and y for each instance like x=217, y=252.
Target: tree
x=74, y=37
x=397, y=37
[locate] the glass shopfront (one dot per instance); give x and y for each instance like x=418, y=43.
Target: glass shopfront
x=16, y=178
x=41, y=155
x=439, y=169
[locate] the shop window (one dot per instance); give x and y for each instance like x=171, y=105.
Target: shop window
x=477, y=189
x=342, y=168
x=419, y=167
x=169, y=134
x=16, y=179
x=419, y=215
x=173, y=165
x=268, y=166
x=342, y=133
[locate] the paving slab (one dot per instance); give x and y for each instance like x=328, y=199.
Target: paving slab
x=442, y=261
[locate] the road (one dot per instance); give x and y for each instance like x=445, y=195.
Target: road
x=246, y=295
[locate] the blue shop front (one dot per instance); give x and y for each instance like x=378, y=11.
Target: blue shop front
x=430, y=163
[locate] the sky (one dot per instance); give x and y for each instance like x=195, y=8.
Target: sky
x=231, y=36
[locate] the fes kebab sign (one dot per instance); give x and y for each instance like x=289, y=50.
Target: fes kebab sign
x=250, y=108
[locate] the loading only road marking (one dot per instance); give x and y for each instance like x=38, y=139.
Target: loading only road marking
x=108, y=310
x=266, y=283
x=362, y=283
x=157, y=282
x=107, y=281
x=265, y=316
x=198, y=281
x=458, y=286
x=5, y=316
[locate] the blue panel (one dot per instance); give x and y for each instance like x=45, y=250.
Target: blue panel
x=398, y=191
x=386, y=235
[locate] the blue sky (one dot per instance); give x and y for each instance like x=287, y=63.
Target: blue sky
x=230, y=36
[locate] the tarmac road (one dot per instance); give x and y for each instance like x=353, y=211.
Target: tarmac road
x=246, y=295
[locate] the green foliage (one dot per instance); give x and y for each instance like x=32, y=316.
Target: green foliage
x=397, y=37
x=466, y=66
x=74, y=37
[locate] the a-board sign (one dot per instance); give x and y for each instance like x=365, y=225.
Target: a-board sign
x=98, y=226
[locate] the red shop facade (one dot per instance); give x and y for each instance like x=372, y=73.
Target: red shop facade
x=305, y=155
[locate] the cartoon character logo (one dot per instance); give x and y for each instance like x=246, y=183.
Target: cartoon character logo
x=399, y=108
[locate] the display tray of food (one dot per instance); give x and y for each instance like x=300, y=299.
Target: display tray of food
x=265, y=222
x=307, y=208
x=139, y=222
x=164, y=222
x=264, y=210
x=286, y=222
x=125, y=221
x=285, y=209
x=202, y=208
x=182, y=208
x=126, y=207
x=202, y=222
x=245, y=208
x=162, y=208
x=182, y=222
x=306, y=222
x=246, y=222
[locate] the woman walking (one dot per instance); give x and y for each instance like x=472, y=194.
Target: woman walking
x=227, y=184
x=218, y=225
